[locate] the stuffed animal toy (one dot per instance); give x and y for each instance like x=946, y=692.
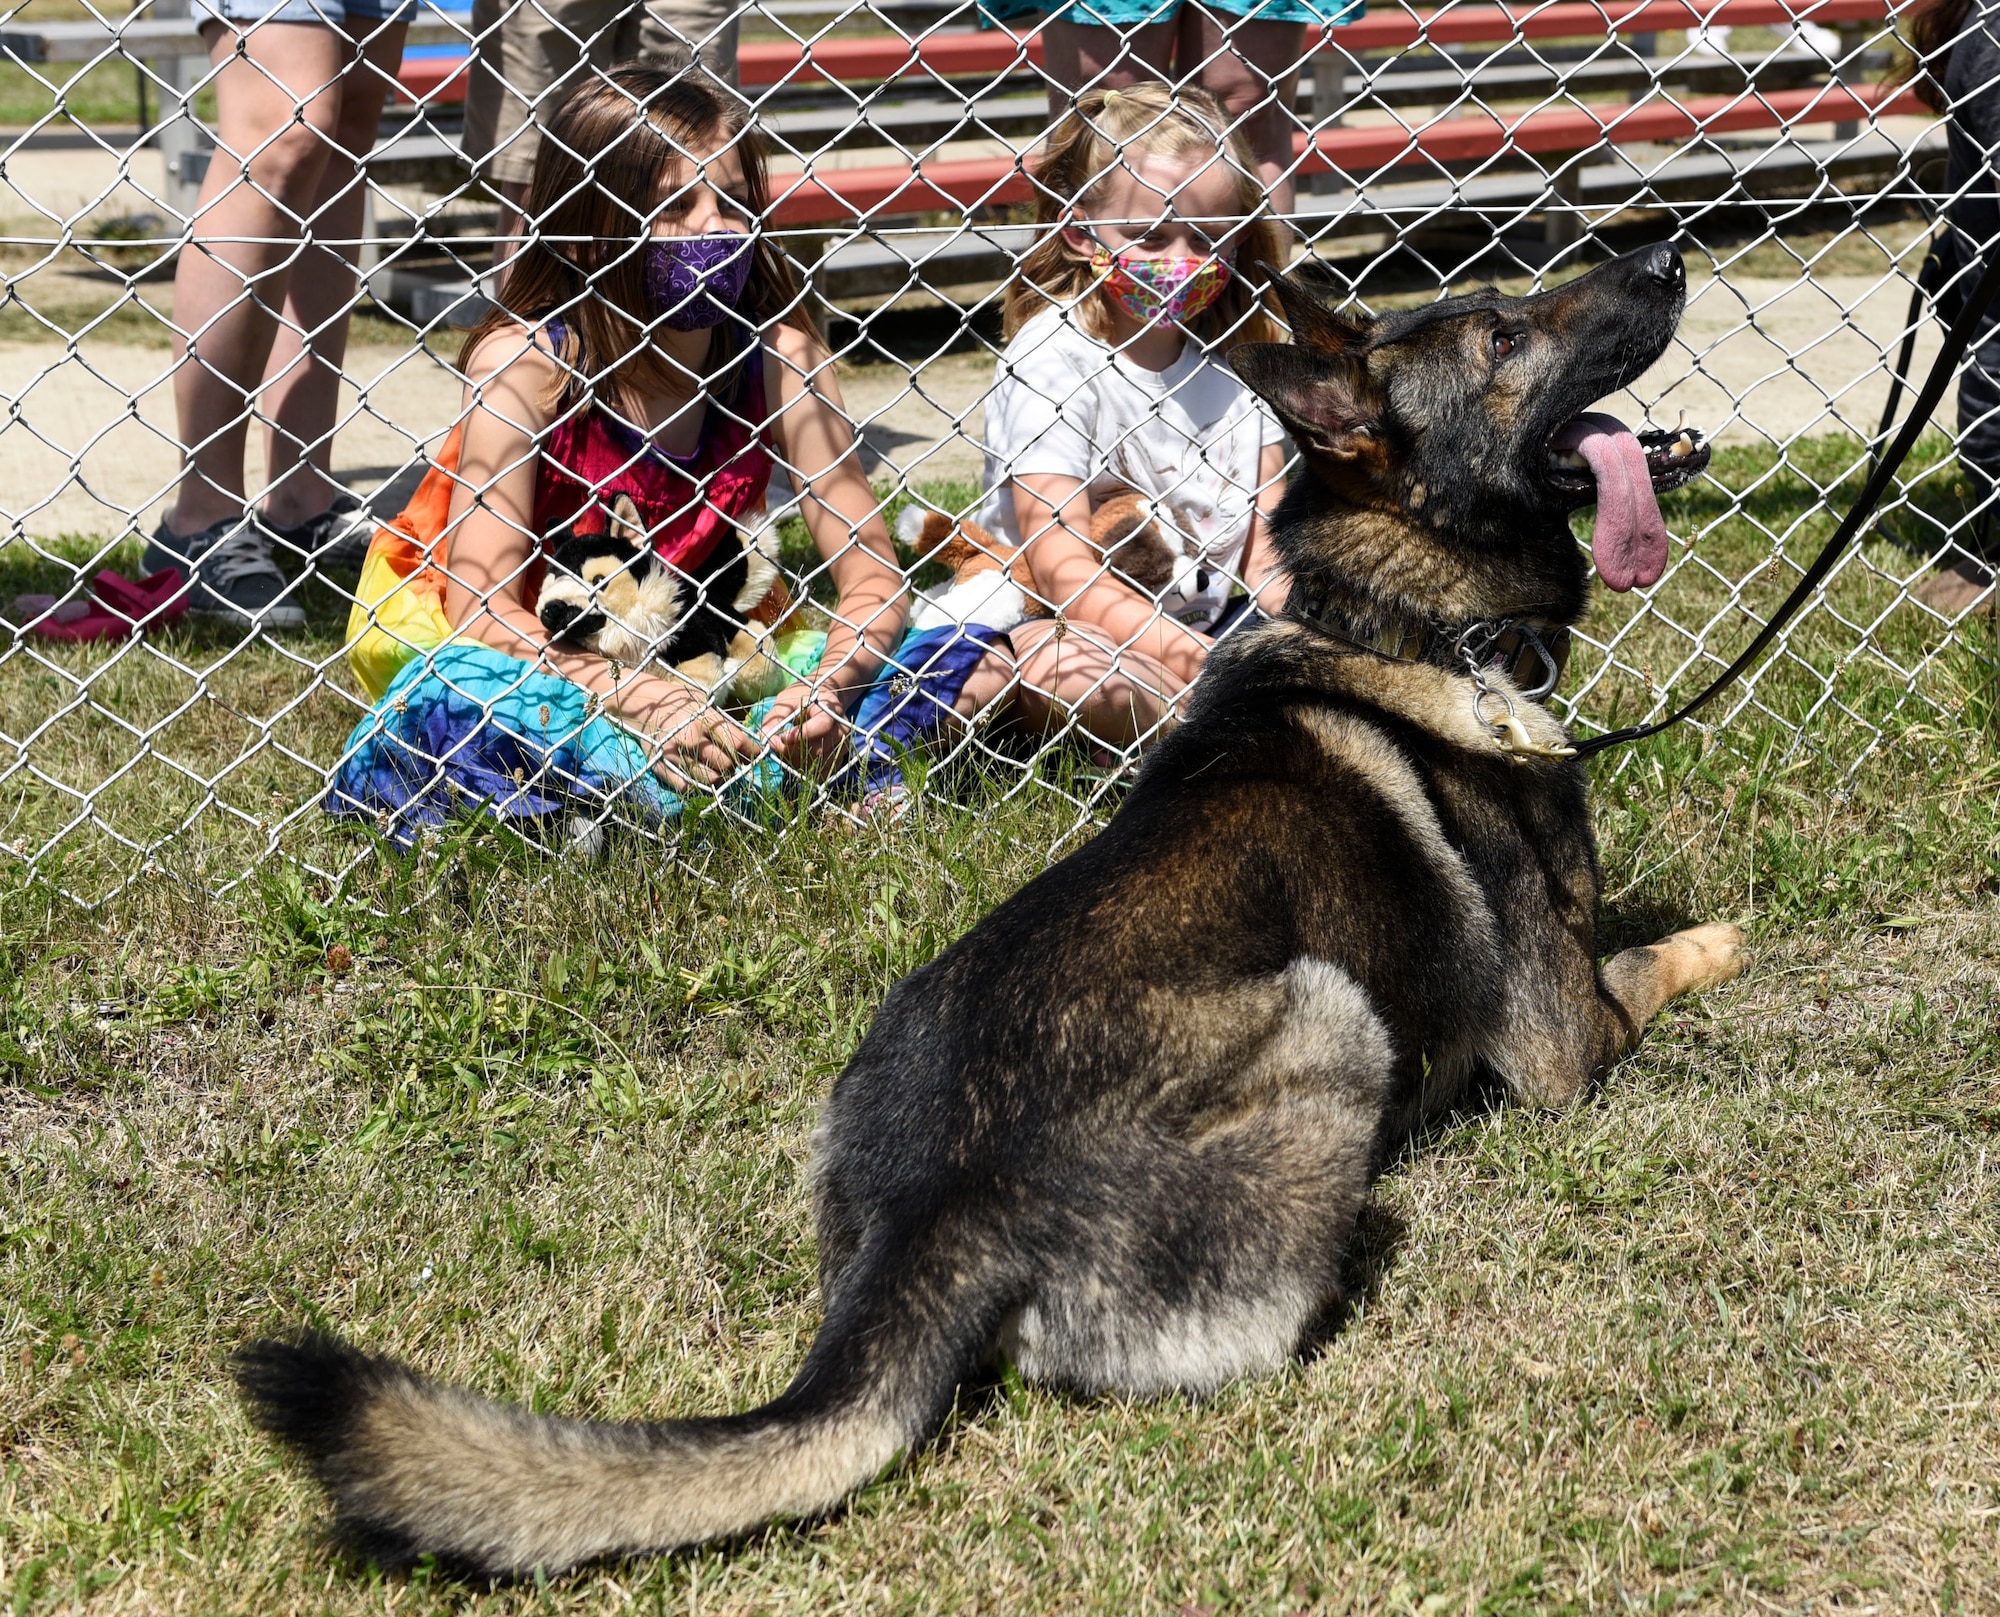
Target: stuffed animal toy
x=1138, y=538
x=610, y=593
x=990, y=585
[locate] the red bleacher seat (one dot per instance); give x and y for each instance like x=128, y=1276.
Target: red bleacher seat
x=829, y=194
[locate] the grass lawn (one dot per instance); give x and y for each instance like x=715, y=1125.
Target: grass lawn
x=1716, y=1340
x=87, y=96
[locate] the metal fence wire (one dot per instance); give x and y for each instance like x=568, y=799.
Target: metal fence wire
x=242, y=248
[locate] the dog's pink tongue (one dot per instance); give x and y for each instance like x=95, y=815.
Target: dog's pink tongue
x=1629, y=540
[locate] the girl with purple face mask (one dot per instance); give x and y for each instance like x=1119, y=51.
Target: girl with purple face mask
x=649, y=344
x=1116, y=378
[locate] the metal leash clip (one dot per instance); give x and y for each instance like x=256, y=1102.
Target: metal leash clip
x=1477, y=648
x=1509, y=734
x=1551, y=669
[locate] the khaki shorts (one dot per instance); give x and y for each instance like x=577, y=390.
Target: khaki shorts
x=531, y=53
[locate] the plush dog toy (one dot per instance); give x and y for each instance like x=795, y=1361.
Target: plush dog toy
x=610, y=593
x=1138, y=538
x=990, y=585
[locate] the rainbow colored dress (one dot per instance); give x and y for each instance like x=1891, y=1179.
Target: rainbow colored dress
x=459, y=726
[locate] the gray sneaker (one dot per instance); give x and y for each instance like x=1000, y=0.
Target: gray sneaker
x=338, y=537
x=230, y=573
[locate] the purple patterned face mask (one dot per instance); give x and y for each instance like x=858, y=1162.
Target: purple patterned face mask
x=694, y=281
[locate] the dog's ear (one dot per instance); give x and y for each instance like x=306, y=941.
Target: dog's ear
x=1117, y=515
x=626, y=523
x=935, y=530
x=1313, y=322
x=1326, y=401
x=569, y=550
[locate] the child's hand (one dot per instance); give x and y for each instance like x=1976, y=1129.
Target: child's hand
x=703, y=745
x=805, y=721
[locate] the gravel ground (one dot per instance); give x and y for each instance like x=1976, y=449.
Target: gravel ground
x=90, y=433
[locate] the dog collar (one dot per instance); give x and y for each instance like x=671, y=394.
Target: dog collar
x=1398, y=642
x=1485, y=643
x=1477, y=649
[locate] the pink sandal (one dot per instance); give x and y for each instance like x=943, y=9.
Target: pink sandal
x=115, y=608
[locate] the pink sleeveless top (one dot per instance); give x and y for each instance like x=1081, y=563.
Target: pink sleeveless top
x=590, y=457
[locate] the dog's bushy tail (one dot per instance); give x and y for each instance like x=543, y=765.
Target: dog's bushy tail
x=419, y=1469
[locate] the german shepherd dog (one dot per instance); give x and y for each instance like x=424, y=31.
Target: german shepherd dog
x=1119, y=1132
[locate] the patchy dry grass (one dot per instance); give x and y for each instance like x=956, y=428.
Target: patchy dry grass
x=232, y=739
x=1720, y=1339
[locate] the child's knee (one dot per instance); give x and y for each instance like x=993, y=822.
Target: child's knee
x=1066, y=668
x=986, y=684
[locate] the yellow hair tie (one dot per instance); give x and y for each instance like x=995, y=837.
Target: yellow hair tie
x=1111, y=96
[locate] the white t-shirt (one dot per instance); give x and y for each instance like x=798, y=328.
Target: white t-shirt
x=1189, y=437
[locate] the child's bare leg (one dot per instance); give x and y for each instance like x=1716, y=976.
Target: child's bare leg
x=1077, y=675
x=987, y=684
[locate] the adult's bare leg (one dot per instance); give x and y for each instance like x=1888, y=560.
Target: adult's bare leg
x=302, y=378
x=661, y=30
x=1252, y=68
x=486, y=101
x=1083, y=56
x=277, y=106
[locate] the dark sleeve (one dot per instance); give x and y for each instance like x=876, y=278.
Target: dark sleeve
x=1972, y=127
x=1972, y=82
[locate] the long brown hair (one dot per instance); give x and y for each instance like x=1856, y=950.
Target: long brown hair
x=1077, y=163
x=604, y=157
x=1933, y=28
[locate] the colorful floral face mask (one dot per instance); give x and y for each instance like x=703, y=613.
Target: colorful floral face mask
x=1160, y=291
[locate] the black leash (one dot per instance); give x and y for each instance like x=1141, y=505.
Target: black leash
x=1899, y=376
x=1956, y=341
x=1933, y=279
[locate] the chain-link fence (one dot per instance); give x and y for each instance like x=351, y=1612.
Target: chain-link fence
x=242, y=249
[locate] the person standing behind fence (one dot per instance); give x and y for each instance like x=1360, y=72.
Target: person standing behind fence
x=1956, y=71
x=1245, y=53
x=263, y=291
x=529, y=55
x=1116, y=378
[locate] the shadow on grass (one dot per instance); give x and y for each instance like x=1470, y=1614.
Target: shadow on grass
x=1378, y=1237
x=1646, y=919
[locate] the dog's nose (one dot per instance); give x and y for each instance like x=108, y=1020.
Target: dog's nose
x=1662, y=263
x=558, y=615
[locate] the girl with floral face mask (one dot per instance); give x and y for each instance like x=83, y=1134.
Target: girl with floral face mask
x=648, y=346
x=1116, y=378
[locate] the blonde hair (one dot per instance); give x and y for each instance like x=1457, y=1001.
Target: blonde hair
x=1078, y=161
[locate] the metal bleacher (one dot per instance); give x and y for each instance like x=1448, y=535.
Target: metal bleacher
x=1472, y=117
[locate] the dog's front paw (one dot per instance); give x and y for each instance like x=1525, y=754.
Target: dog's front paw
x=1712, y=955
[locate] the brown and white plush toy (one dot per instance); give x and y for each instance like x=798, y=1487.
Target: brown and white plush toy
x=1144, y=548
x=990, y=583
x=610, y=593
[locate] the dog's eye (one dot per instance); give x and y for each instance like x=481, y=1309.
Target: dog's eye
x=1504, y=343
